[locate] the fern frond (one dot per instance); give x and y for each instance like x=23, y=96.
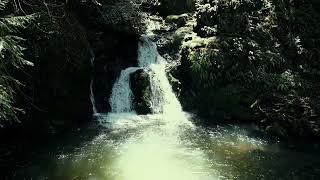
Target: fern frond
x=12, y=52
x=7, y=111
x=11, y=59
x=11, y=24
x=3, y=4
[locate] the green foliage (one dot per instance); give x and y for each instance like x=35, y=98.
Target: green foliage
x=249, y=46
x=123, y=15
x=263, y=48
x=3, y=4
x=299, y=33
x=246, y=46
x=11, y=60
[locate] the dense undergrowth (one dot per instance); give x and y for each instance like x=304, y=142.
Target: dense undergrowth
x=261, y=64
x=48, y=36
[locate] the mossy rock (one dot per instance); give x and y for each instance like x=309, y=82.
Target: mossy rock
x=179, y=20
x=175, y=83
x=180, y=34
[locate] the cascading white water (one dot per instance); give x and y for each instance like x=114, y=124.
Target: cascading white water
x=93, y=103
x=121, y=96
x=147, y=53
x=154, y=150
x=163, y=100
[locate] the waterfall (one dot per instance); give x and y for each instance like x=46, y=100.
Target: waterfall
x=153, y=145
x=163, y=100
x=148, y=53
x=93, y=103
x=121, y=96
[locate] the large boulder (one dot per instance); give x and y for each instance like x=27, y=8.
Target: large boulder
x=179, y=20
x=140, y=86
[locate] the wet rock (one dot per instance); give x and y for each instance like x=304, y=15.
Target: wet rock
x=179, y=20
x=175, y=83
x=140, y=86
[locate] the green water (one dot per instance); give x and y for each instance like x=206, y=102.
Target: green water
x=148, y=148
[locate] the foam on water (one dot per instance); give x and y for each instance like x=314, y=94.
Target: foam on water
x=152, y=147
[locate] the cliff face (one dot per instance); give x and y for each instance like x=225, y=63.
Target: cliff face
x=113, y=30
